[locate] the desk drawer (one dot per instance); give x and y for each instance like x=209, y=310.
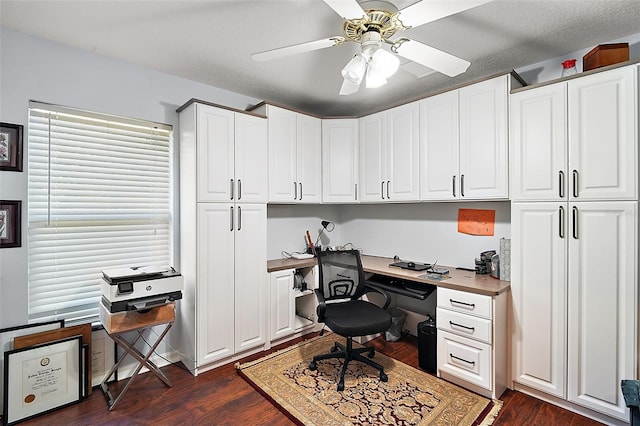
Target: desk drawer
x=464, y=358
x=467, y=303
x=464, y=325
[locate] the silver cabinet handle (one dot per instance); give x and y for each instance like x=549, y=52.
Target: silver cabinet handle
x=561, y=184
x=300, y=192
x=455, y=324
x=231, y=189
x=561, y=224
x=239, y=189
x=453, y=185
x=462, y=359
x=239, y=218
x=382, y=189
x=388, y=192
x=295, y=190
x=575, y=223
x=356, y=190
x=575, y=183
x=231, y=216
x=462, y=185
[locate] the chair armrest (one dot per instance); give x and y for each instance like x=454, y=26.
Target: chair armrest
x=374, y=289
x=322, y=304
x=631, y=392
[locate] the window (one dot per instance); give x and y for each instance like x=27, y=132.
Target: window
x=99, y=198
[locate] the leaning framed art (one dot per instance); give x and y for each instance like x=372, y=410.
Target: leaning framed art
x=42, y=378
x=10, y=223
x=11, y=147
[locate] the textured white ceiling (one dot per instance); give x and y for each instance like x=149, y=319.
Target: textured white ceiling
x=211, y=41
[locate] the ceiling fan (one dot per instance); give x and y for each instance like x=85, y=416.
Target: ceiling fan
x=373, y=27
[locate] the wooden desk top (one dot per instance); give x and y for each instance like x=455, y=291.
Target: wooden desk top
x=459, y=279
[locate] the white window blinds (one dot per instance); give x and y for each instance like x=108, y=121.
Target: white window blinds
x=99, y=198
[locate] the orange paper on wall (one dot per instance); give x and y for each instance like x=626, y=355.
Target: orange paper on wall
x=476, y=222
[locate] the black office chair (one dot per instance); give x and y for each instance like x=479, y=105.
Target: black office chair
x=342, y=284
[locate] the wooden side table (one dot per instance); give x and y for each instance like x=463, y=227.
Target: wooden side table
x=120, y=323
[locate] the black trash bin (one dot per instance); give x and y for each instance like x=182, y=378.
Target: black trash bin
x=394, y=333
x=427, y=345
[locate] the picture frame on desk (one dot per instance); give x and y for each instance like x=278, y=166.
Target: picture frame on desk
x=42, y=378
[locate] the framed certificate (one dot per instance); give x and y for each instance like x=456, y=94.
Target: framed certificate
x=7, y=335
x=42, y=378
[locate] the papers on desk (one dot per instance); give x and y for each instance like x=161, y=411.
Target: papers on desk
x=434, y=276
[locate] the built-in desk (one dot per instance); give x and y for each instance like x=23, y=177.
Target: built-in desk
x=471, y=320
x=460, y=279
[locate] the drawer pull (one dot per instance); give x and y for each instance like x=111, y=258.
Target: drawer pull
x=472, y=305
x=462, y=359
x=453, y=324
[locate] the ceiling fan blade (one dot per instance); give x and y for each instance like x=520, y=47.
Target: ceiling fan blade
x=297, y=48
x=348, y=9
x=349, y=88
x=431, y=10
x=431, y=57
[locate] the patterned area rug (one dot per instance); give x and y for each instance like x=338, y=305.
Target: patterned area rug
x=410, y=397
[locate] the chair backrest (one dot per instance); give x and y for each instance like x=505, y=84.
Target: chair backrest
x=341, y=274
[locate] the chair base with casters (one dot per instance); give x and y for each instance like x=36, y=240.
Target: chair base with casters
x=349, y=354
x=341, y=309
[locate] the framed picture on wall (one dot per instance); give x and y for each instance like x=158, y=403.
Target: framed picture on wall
x=10, y=223
x=11, y=147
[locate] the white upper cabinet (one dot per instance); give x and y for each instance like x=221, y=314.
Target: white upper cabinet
x=340, y=160
x=484, y=167
x=602, y=135
x=230, y=150
x=295, y=167
x=576, y=140
x=389, y=155
x=539, y=144
x=463, y=143
x=439, y=173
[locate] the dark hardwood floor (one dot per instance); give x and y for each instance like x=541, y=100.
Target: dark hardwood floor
x=222, y=397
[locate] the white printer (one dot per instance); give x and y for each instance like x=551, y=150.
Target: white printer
x=140, y=288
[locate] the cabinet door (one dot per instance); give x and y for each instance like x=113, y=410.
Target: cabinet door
x=282, y=304
x=215, y=282
x=309, y=159
x=282, y=155
x=251, y=176
x=372, y=185
x=603, y=154
x=402, y=153
x=250, y=278
x=215, y=140
x=539, y=144
x=340, y=161
x=439, y=177
x=483, y=140
x=538, y=288
x=602, y=332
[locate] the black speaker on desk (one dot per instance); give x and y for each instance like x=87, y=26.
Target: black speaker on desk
x=427, y=345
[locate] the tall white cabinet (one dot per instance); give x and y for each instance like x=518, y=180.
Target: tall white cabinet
x=223, y=241
x=574, y=248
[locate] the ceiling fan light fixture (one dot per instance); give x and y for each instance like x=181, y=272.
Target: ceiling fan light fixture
x=386, y=62
x=354, y=71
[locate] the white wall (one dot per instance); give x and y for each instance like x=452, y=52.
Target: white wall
x=552, y=68
x=422, y=232
x=287, y=226
x=35, y=69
